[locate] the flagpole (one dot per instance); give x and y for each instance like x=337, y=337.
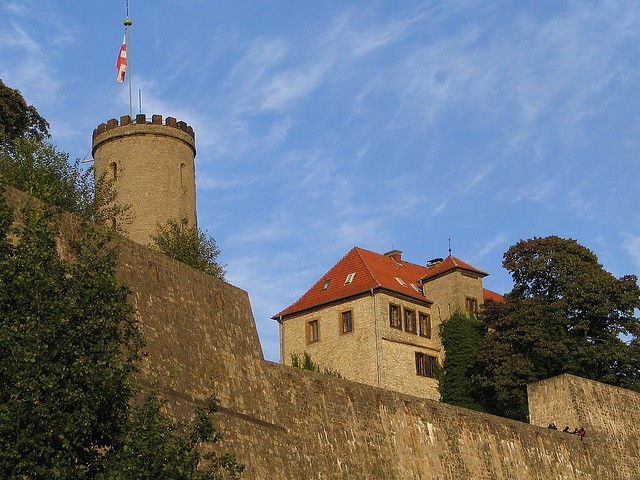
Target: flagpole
x=127, y=24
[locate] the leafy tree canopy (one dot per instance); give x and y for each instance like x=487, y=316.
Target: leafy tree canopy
x=31, y=164
x=67, y=346
x=69, y=343
x=461, y=334
x=17, y=119
x=565, y=314
x=152, y=446
x=39, y=169
x=189, y=245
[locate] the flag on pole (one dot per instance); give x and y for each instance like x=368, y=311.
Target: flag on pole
x=121, y=63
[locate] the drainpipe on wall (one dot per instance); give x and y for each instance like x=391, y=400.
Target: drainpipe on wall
x=281, y=332
x=375, y=323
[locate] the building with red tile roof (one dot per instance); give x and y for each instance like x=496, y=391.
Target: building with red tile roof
x=374, y=318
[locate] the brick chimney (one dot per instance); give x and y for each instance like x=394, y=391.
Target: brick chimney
x=434, y=262
x=396, y=255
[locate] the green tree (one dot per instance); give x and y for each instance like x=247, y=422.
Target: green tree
x=152, y=446
x=526, y=342
x=565, y=314
x=189, y=245
x=31, y=164
x=69, y=343
x=305, y=362
x=461, y=334
x=17, y=119
x=39, y=169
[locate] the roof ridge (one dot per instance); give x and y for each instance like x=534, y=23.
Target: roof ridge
x=366, y=265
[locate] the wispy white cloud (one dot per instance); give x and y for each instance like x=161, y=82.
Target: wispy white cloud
x=477, y=177
x=357, y=35
x=209, y=182
x=539, y=190
x=357, y=231
x=17, y=37
x=561, y=81
x=579, y=201
x=498, y=241
x=14, y=8
x=439, y=208
x=273, y=76
x=33, y=66
x=631, y=245
x=272, y=230
x=287, y=87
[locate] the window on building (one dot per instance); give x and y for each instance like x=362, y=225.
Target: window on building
x=425, y=324
x=425, y=365
x=346, y=319
x=401, y=281
x=114, y=170
x=394, y=316
x=471, y=305
x=313, y=331
x=326, y=284
x=409, y=321
x=349, y=278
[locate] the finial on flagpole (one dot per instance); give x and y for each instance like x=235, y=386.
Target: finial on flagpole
x=449, y=247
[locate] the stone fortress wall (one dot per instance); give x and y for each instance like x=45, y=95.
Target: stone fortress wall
x=284, y=423
x=611, y=413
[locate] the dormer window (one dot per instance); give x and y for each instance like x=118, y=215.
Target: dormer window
x=401, y=281
x=417, y=288
x=349, y=278
x=326, y=284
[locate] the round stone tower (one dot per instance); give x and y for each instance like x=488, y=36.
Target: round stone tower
x=153, y=168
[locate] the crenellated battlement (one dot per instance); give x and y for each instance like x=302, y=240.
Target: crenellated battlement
x=141, y=119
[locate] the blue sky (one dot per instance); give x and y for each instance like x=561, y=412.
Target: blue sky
x=321, y=125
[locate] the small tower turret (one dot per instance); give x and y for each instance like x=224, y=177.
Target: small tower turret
x=153, y=168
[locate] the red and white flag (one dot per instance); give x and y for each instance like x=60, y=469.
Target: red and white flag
x=121, y=63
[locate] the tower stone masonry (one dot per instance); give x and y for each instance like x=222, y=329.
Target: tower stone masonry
x=152, y=165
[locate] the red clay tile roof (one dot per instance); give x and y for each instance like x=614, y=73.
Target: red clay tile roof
x=493, y=296
x=450, y=263
x=372, y=270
